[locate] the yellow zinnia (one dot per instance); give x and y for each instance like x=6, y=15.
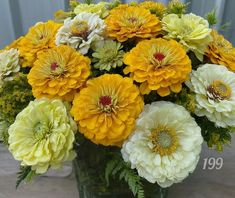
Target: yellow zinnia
x=220, y=51
x=157, y=8
x=125, y=22
x=107, y=108
x=39, y=38
x=58, y=73
x=159, y=65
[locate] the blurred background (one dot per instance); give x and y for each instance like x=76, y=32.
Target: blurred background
x=16, y=16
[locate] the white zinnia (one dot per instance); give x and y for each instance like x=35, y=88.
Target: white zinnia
x=171, y=155
x=81, y=32
x=9, y=63
x=214, y=86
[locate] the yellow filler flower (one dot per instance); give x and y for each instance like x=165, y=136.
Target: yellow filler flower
x=125, y=22
x=220, y=51
x=107, y=108
x=59, y=73
x=159, y=65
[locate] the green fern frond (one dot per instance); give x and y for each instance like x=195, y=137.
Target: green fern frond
x=109, y=169
x=117, y=168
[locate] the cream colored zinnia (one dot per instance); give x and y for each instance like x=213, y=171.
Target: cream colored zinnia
x=190, y=30
x=81, y=32
x=99, y=8
x=214, y=86
x=166, y=144
x=42, y=135
x=9, y=63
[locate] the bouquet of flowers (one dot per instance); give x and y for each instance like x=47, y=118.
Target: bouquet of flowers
x=128, y=92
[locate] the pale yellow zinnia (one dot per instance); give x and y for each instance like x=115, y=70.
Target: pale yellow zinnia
x=99, y=8
x=42, y=135
x=190, y=30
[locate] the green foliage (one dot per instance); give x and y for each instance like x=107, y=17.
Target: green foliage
x=177, y=7
x=73, y=4
x=117, y=168
x=25, y=174
x=88, y=1
x=4, y=125
x=186, y=99
x=216, y=137
x=113, y=4
x=211, y=17
x=225, y=27
x=194, y=60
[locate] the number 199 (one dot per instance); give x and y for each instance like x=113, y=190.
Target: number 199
x=213, y=163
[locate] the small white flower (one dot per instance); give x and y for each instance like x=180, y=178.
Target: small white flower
x=214, y=86
x=9, y=63
x=81, y=32
x=166, y=144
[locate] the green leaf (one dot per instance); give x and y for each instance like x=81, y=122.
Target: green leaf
x=216, y=137
x=88, y=1
x=225, y=27
x=25, y=174
x=211, y=17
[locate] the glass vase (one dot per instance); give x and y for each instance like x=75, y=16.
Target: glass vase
x=89, y=167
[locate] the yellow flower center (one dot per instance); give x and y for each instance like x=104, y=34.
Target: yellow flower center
x=107, y=104
x=80, y=29
x=132, y=21
x=165, y=140
x=219, y=91
x=41, y=130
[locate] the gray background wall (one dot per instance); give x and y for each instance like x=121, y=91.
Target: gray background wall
x=16, y=16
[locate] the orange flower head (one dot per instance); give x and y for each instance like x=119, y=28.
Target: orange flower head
x=40, y=37
x=125, y=22
x=157, y=8
x=220, y=51
x=59, y=73
x=107, y=108
x=159, y=65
